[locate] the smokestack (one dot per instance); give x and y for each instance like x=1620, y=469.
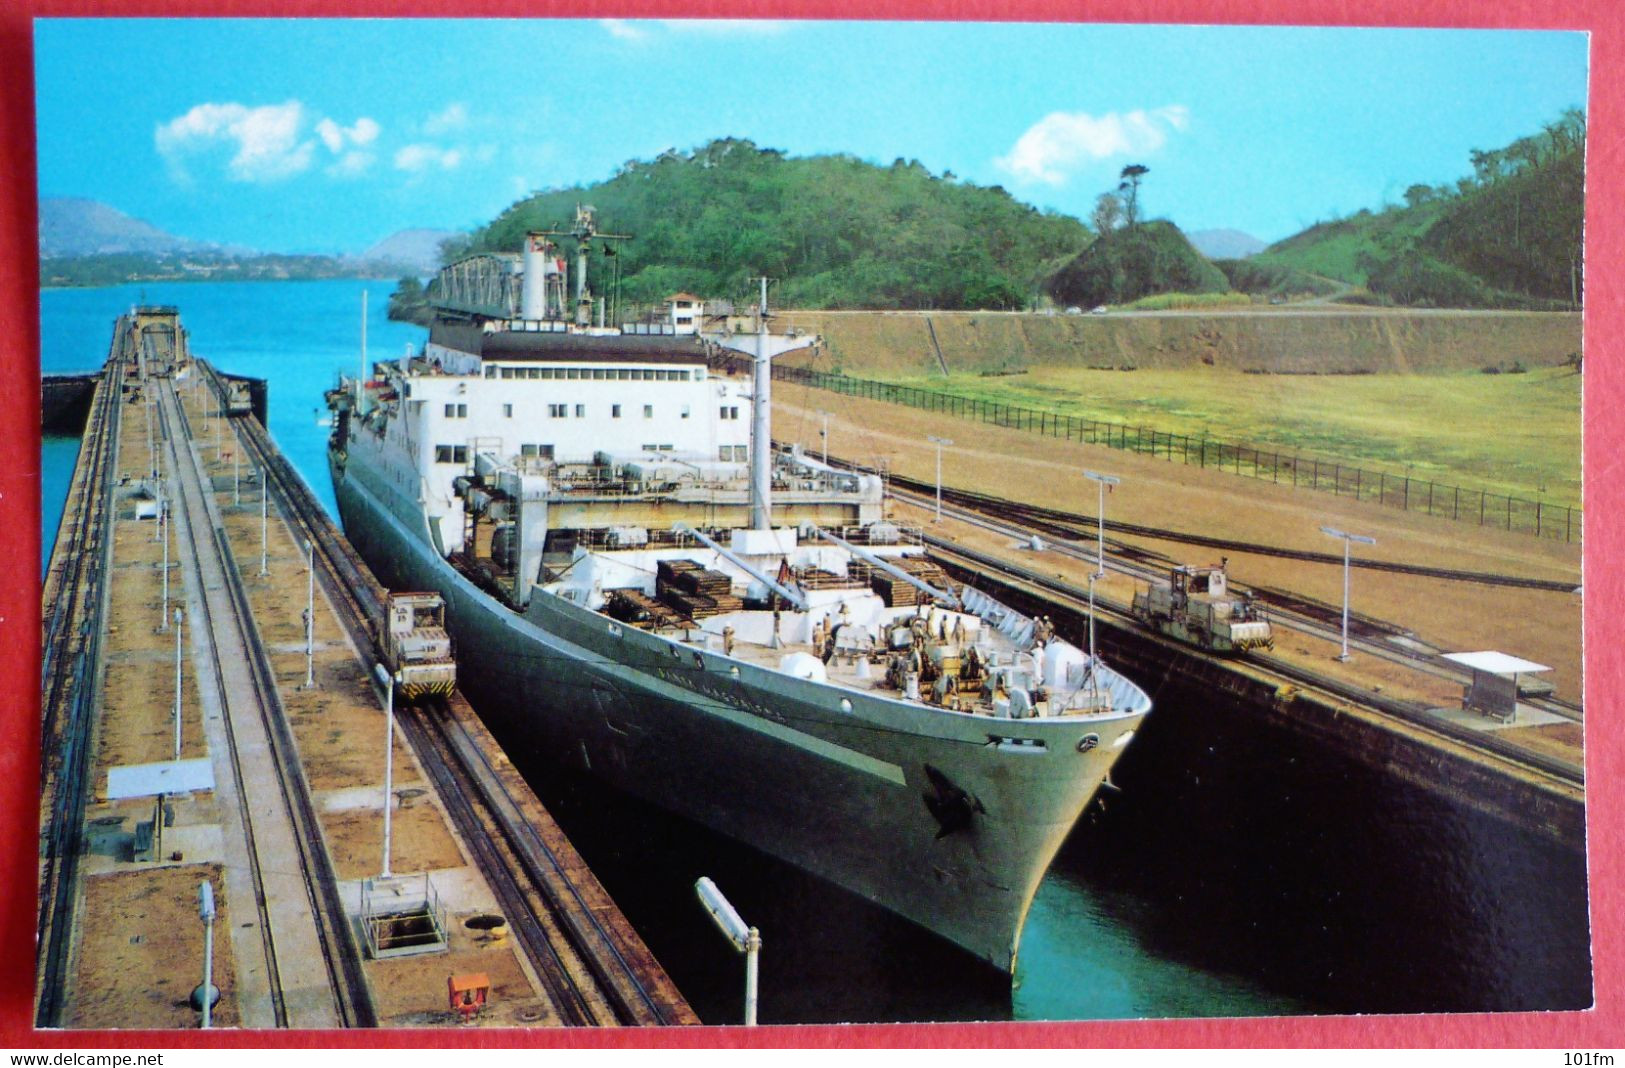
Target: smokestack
x=538, y=264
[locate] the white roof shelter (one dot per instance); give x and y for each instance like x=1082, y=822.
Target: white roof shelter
x=1493, y=689
x=1496, y=663
x=168, y=777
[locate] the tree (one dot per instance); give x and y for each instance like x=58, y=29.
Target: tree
x=1130, y=184
x=1108, y=213
x=1418, y=194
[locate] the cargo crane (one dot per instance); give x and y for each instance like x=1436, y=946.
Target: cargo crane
x=1195, y=605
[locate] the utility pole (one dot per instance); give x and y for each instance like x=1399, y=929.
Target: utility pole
x=940, y=442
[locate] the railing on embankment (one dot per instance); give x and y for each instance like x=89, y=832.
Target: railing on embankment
x=1459, y=503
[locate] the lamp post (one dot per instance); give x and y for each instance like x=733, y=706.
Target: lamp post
x=310, y=616
x=163, y=532
x=1101, y=482
x=1347, y=540
x=206, y=994
x=178, y=618
x=940, y=442
x=823, y=438
x=389, y=752
x=264, y=489
x=747, y=940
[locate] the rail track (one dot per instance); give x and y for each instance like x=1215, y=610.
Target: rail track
x=544, y=908
x=210, y=551
x=1414, y=714
x=1371, y=636
x=69, y=677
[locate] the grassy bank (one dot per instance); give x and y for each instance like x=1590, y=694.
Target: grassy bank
x=1509, y=433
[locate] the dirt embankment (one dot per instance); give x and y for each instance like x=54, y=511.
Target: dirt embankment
x=1274, y=340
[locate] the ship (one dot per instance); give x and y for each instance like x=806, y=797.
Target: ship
x=639, y=584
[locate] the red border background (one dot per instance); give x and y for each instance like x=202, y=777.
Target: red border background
x=1600, y=1028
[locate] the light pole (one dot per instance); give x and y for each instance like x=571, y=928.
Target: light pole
x=1347, y=540
x=747, y=940
x=206, y=994
x=389, y=752
x=163, y=526
x=1101, y=483
x=178, y=618
x=940, y=442
x=823, y=438
x=236, y=486
x=310, y=616
x=264, y=489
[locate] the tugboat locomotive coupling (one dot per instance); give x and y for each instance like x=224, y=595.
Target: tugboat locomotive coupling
x=637, y=583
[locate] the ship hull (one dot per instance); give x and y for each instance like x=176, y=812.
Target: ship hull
x=947, y=820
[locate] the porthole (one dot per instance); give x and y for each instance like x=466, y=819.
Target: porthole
x=1088, y=742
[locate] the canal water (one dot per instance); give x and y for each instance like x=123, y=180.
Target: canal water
x=1236, y=870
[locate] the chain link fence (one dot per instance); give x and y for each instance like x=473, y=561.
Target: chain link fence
x=1459, y=503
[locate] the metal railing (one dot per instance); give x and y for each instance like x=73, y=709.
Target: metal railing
x=1460, y=503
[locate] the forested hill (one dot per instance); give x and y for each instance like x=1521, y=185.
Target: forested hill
x=1507, y=236
x=836, y=231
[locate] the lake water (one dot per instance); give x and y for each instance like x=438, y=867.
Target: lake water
x=1239, y=872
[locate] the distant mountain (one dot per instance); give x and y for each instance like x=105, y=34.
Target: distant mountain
x=73, y=226
x=1225, y=244
x=415, y=250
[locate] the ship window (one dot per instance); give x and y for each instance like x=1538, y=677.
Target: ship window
x=623, y=374
x=598, y=372
x=557, y=411
x=456, y=411
x=685, y=411
x=648, y=411
x=725, y=453
x=507, y=411
x=527, y=450
x=451, y=454
x=545, y=452
x=490, y=372
x=574, y=372
x=741, y=452
x=533, y=372
x=581, y=411
x=507, y=372
x=682, y=375
x=614, y=411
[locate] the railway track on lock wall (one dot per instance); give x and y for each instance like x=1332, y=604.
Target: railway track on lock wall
x=1076, y=535
x=527, y=877
x=73, y=597
x=352, y=999
x=1412, y=713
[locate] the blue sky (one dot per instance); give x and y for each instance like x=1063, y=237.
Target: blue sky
x=328, y=135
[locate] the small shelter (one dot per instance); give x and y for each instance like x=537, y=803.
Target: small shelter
x=1493, y=688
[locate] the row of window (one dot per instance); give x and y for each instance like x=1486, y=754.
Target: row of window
x=598, y=374
x=458, y=454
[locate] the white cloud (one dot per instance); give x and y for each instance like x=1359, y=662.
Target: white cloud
x=418, y=158
x=455, y=117
x=267, y=139
x=335, y=137
x=1056, y=146
x=623, y=30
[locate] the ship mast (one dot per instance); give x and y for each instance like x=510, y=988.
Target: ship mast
x=585, y=229
x=761, y=347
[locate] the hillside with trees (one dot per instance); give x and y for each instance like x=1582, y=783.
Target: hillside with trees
x=1131, y=262
x=1508, y=236
x=839, y=232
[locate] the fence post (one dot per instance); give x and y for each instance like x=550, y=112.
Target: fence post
x=1455, y=505
x=1568, y=524
x=1430, y=496
x=1407, y=503
x=1480, y=507
x=1509, y=511
x=1537, y=519
x=1337, y=480
x=1316, y=483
